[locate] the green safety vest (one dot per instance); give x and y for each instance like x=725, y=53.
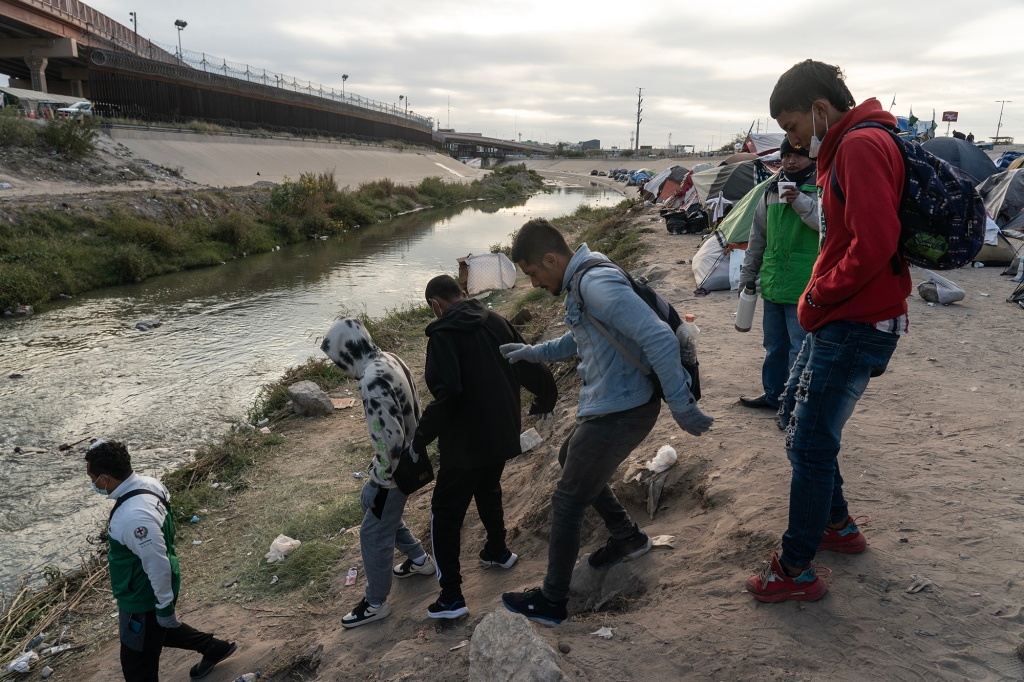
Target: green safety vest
x=789, y=253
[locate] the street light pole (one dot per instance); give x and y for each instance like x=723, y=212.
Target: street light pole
x=181, y=25
x=1002, y=103
x=400, y=98
x=344, y=77
x=135, y=23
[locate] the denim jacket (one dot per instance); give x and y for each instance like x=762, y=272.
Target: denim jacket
x=611, y=382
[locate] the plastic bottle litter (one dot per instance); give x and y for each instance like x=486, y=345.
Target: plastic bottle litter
x=688, y=335
x=21, y=663
x=194, y=519
x=745, y=309
x=350, y=577
x=248, y=677
x=36, y=641
x=55, y=649
x=281, y=547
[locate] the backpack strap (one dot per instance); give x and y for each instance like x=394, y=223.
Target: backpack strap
x=833, y=182
x=576, y=289
x=132, y=493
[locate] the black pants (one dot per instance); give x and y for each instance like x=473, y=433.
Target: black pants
x=142, y=640
x=453, y=491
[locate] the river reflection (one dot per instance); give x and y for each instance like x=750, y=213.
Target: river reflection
x=227, y=330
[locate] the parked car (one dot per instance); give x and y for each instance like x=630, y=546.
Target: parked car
x=593, y=172
x=602, y=173
x=76, y=111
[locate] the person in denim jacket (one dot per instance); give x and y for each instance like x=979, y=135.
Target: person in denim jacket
x=617, y=405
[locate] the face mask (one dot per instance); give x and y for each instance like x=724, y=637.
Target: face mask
x=812, y=151
x=98, y=489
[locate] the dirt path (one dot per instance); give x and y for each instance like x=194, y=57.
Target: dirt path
x=933, y=453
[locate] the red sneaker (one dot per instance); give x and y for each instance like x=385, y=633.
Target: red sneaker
x=772, y=584
x=848, y=539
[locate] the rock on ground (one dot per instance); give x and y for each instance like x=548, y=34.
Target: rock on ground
x=505, y=648
x=308, y=400
x=593, y=590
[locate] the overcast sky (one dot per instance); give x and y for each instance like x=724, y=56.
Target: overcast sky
x=570, y=70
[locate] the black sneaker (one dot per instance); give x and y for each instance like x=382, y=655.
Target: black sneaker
x=506, y=560
x=535, y=606
x=448, y=608
x=218, y=653
x=408, y=568
x=363, y=613
x=617, y=551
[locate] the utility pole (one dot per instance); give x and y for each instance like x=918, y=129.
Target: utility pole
x=135, y=22
x=670, y=141
x=1002, y=103
x=639, y=109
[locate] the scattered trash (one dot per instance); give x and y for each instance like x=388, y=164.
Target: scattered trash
x=6, y=185
x=194, y=519
x=343, y=403
x=263, y=421
x=665, y=458
x=459, y=645
x=663, y=541
x=529, y=439
x=197, y=542
x=36, y=641
x=244, y=428
x=350, y=577
x=358, y=474
x=248, y=677
x=281, y=547
x=265, y=431
x=924, y=633
x=982, y=294
x=920, y=584
x=979, y=265
x=273, y=581
x=54, y=650
x=604, y=633
x=20, y=664
x=215, y=485
x=975, y=594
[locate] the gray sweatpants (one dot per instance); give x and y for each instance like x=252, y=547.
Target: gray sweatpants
x=383, y=531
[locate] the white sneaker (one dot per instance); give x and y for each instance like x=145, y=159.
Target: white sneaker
x=408, y=568
x=363, y=613
x=506, y=560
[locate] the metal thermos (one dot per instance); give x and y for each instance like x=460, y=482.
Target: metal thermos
x=745, y=310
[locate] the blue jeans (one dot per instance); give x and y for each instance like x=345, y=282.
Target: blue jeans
x=783, y=337
x=589, y=456
x=829, y=376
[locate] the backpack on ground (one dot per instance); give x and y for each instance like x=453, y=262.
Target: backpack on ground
x=662, y=308
x=941, y=213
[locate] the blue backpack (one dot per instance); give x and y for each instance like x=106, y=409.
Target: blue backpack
x=941, y=213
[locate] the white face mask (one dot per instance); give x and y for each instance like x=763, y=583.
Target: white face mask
x=812, y=151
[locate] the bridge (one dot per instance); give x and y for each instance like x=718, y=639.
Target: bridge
x=66, y=47
x=475, y=145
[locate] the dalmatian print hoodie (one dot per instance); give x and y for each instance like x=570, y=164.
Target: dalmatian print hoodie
x=390, y=401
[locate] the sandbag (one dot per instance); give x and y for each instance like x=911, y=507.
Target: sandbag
x=938, y=289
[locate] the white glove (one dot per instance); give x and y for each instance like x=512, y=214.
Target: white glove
x=693, y=421
x=170, y=621
x=514, y=352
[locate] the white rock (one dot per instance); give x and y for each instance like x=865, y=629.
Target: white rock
x=308, y=400
x=506, y=648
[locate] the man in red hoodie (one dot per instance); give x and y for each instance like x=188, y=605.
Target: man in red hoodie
x=854, y=309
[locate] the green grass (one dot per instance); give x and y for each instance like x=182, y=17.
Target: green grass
x=46, y=253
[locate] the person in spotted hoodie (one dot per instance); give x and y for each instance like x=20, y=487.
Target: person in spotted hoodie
x=144, y=573
x=392, y=410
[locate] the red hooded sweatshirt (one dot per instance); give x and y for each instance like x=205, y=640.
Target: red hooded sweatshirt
x=853, y=277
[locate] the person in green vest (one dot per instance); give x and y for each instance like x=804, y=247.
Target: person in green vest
x=782, y=248
x=144, y=568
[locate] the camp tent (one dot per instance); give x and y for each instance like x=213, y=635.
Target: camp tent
x=963, y=155
x=30, y=99
x=736, y=226
x=763, y=143
x=654, y=188
x=733, y=181
x=1004, y=195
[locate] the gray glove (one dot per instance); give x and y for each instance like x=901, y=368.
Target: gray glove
x=693, y=421
x=170, y=621
x=514, y=352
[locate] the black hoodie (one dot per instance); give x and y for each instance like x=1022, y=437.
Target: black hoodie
x=476, y=414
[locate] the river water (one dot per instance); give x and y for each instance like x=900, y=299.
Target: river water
x=87, y=372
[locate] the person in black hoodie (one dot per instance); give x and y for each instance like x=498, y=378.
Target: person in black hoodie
x=476, y=418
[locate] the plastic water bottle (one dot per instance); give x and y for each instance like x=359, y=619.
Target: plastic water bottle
x=688, y=335
x=745, y=309
x=248, y=677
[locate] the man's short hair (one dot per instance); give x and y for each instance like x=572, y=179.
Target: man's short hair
x=443, y=287
x=110, y=458
x=807, y=81
x=535, y=239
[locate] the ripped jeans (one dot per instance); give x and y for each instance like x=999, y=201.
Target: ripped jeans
x=829, y=376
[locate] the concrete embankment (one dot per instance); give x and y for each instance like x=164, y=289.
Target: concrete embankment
x=223, y=161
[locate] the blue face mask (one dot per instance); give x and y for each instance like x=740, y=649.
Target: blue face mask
x=98, y=489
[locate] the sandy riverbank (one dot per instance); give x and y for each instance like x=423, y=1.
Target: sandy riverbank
x=933, y=454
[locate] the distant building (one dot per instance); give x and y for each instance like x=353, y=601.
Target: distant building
x=590, y=144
